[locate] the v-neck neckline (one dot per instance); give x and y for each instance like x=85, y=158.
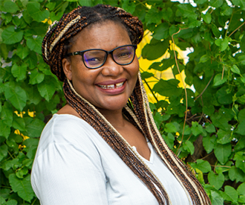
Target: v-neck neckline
x=151, y=160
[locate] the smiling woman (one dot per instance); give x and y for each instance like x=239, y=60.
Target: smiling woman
x=103, y=146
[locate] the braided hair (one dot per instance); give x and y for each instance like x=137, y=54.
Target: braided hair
x=55, y=46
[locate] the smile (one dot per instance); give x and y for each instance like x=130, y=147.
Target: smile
x=112, y=86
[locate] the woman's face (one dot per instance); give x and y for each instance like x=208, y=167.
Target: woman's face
x=107, y=87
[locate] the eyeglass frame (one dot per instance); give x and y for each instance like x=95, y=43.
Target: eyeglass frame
x=81, y=53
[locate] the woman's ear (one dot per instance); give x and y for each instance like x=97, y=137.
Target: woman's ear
x=66, y=64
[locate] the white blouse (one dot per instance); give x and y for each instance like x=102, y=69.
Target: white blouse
x=75, y=166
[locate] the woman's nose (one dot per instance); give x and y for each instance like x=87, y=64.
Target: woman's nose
x=111, y=68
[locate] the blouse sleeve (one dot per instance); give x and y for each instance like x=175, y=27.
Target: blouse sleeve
x=69, y=171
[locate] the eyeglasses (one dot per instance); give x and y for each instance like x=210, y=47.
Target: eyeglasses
x=95, y=58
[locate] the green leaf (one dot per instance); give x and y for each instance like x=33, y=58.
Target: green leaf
x=216, y=32
x=34, y=128
x=51, y=5
x=240, y=160
x=188, y=146
x=226, y=10
x=241, y=115
x=153, y=16
x=200, y=1
x=7, y=114
x=22, y=52
x=222, y=152
x=145, y=75
x=187, y=11
x=24, y=2
x=3, y=151
x=19, y=72
x=155, y=49
x=35, y=44
x=241, y=119
x=241, y=189
x=10, y=6
x=85, y=3
x=47, y=88
x=223, y=97
x=204, y=58
x=241, y=199
x=36, y=77
x=158, y=119
x=35, y=12
x=2, y=200
x=16, y=95
x=167, y=88
x=236, y=174
x=128, y=6
x=170, y=127
x=221, y=120
x=209, y=143
x=241, y=144
x=240, y=3
x=216, y=3
x=196, y=128
x=216, y=180
x=216, y=199
x=10, y=36
x=208, y=109
x=3, y=50
x=4, y=130
x=224, y=137
x=231, y=193
x=235, y=69
x=207, y=18
x=11, y=164
x=33, y=95
x=21, y=172
x=22, y=187
x=218, y=80
x=162, y=31
x=224, y=44
x=165, y=64
x=19, y=123
x=210, y=128
x=11, y=202
x=202, y=165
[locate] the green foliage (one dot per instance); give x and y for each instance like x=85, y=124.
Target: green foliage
x=203, y=125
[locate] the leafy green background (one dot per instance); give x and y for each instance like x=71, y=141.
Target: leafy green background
x=204, y=126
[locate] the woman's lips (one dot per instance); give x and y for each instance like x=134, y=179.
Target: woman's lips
x=113, y=88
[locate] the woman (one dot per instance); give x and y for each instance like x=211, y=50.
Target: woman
x=103, y=146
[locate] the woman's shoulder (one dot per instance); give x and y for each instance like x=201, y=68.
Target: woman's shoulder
x=67, y=130
x=61, y=124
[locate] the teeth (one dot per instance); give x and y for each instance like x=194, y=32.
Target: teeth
x=112, y=86
x=118, y=85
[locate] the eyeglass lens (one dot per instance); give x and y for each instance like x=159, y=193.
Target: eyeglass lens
x=95, y=58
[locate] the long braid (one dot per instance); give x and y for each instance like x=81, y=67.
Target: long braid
x=56, y=45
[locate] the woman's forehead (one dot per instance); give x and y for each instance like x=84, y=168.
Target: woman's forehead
x=98, y=35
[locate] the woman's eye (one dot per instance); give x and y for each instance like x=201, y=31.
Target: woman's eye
x=94, y=60
x=124, y=55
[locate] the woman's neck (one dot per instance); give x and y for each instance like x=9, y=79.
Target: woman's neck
x=114, y=117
